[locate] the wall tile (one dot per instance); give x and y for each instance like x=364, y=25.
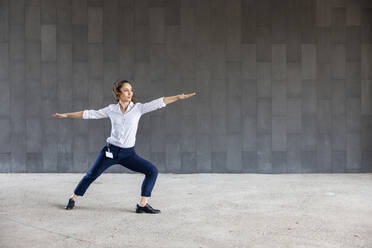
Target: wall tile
x=48, y=12
x=203, y=153
x=309, y=132
x=248, y=61
x=264, y=153
x=354, y=152
x=294, y=83
x=4, y=24
x=324, y=153
x=279, y=98
x=5, y=136
x=95, y=25
x=279, y=133
x=79, y=12
x=308, y=61
x=249, y=162
x=294, y=106
x=48, y=43
x=279, y=62
x=353, y=79
x=4, y=61
x=249, y=16
x=32, y=23
x=264, y=79
x=172, y=12
x=264, y=115
x=339, y=133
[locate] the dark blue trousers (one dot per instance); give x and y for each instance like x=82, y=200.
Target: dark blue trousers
x=126, y=157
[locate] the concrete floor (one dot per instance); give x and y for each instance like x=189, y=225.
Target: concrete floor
x=198, y=210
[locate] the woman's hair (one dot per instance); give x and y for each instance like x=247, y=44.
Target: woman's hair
x=116, y=90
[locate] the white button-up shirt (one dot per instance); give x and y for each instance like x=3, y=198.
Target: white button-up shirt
x=124, y=125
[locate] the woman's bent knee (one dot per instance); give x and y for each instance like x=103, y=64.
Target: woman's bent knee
x=153, y=171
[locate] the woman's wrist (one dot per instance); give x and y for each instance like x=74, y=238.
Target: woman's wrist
x=170, y=99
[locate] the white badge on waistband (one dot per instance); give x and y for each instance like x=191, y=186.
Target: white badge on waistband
x=108, y=153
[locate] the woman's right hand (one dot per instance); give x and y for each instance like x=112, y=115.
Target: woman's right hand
x=60, y=115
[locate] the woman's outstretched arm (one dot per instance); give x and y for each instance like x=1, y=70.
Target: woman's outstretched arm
x=87, y=114
x=170, y=99
x=77, y=115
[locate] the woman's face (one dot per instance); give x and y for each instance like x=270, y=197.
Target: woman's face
x=126, y=92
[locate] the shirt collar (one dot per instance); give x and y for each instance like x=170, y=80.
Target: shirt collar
x=129, y=107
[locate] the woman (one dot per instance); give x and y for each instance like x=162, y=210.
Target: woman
x=120, y=145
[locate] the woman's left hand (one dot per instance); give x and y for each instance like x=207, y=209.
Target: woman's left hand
x=184, y=96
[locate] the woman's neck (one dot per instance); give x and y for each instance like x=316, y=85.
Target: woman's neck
x=124, y=105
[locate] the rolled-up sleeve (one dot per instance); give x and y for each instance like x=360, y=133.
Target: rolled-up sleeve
x=153, y=105
x=96, y=114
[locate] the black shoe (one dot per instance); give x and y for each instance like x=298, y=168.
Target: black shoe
x=147, y=209
x=70, y=204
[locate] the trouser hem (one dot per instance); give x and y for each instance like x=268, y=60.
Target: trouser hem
x=78, y=194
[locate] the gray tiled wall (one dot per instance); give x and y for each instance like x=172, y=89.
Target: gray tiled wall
x=282, y=86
